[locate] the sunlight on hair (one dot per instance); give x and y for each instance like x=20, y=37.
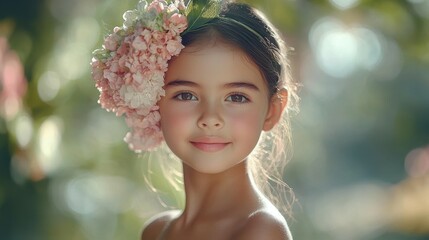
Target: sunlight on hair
x=163, y=176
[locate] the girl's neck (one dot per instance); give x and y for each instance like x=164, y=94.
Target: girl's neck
x=217, y=195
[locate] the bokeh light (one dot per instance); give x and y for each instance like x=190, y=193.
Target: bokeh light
x=360, y=168
x=417, y=162
x=344, y=4
x=48, y=86
x=23, y=130
x=49, y=139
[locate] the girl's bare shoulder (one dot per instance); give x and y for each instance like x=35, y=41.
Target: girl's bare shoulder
x=154, y=226
x=265, y=224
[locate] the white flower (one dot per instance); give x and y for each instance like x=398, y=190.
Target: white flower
x=141, y=6
x=139, y=44
x=130, y=17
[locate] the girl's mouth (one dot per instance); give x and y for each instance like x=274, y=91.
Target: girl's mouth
x=209, y=144
x=209, y=147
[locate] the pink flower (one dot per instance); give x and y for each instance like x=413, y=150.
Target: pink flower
x=129, y=70
x=106, y=101
x=123, y=49
x=180, y=5
x=174, y=46
x=177, y=23
x=144, y=138
x=113, y=65
x=109, y=75
x=158, y=37
x=139, y=44
x=147, y=35
x=157, y=5
x=97, y=70
x=111, y=43
x=152, y=119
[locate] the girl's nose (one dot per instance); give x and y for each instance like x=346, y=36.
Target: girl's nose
x=210, y=118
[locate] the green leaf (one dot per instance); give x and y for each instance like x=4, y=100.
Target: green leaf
x=199, y=12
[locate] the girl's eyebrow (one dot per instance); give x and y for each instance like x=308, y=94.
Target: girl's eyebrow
x=247, y=85
x=180, y=82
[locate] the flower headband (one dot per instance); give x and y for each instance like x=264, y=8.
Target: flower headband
x=130, y=67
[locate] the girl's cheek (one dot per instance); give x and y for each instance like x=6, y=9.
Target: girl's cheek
x=174, y=124
x=177, y=114
x=245, y=120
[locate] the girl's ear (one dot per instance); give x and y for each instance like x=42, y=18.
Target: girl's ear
x=277, y=104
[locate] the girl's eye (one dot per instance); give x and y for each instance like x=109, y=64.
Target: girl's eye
x=185, y=96
x=237, y=98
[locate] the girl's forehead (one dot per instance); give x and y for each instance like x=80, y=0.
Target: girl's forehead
x=207, y=43
x=213, y=56
x=209, y=47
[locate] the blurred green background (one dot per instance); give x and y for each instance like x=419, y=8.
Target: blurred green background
x=360, y=168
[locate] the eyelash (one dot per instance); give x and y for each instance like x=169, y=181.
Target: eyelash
x=180, y=96
x=246, y=99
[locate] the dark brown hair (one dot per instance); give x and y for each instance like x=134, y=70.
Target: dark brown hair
x=248, y=29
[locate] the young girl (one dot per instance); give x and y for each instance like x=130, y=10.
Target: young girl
x=210, y=79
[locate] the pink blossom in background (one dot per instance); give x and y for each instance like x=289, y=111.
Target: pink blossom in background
x=13, y=84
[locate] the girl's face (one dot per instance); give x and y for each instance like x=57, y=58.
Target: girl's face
x=215, y=107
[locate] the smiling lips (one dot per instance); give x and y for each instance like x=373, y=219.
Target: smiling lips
x=210, y=144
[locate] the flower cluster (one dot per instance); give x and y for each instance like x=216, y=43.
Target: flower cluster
x=129, y=69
